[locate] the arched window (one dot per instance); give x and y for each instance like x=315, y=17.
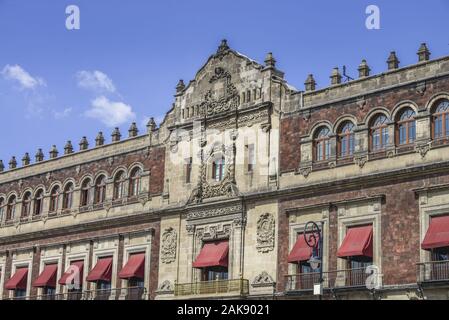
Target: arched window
x=406, y=127
x=379, y=133
x=85, y=193
x=218, y=169
x=134, y=182
x=11, y=208
x=119, y=185
x=441, y=120
x=26, y=204
x=322, y=144
x=100, y=190
x=54, y=199
x=346, y=139
x=2, y=208
x=67, y=198
x=38, y=202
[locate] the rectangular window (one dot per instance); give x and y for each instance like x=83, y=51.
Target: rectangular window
x=215, y=273
x=251, y=157
x=188, y=169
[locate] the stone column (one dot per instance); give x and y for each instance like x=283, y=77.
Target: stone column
x=236, y=248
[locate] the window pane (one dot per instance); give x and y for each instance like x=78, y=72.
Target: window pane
x=412, y=131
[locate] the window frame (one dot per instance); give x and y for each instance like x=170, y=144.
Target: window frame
x=444, y=115
x=382, y=130
x=321, y=145
x=408, y=124
x=346, y=138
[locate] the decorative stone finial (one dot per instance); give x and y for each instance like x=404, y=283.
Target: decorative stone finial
x=2, y=166
x=84, y=144
x=26, y=159
x=116, y=135
x=310, y=83
x=68, y=148
x=53, y=152
x=223, y=46
x=39, y=155
x=423, y=53
x=133, y=131
x=99, y=140
x=13, y=163
x=270, y=61
x=151, y=125
x=393, y=61
x=335, y=76
x=180, y=86
x=364, y=69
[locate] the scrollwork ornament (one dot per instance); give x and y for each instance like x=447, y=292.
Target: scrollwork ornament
x=265, y=233
x=168, y=245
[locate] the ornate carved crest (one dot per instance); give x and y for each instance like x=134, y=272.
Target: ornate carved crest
x=214, y=232
x=423, y=149
x=263, y=280
x=166, y=287
x=265, y=233
x=305, y=171
x=168, y=245
x=228, y=101
x=361, y=160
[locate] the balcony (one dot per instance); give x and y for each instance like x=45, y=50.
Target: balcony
x=236, y=287
x=133, y=293
x=349, y=278
x=433, y=272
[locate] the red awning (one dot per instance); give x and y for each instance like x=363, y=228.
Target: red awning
x=358, y=242
x=301, y=251
x=18, y=280
x=134, y=268
x=437, y=235
x=73, y=273
x=213, y=254
x=102, y=270
x=48, y=277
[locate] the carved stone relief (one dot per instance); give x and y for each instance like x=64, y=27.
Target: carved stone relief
x=265, y=233
x=168, y=245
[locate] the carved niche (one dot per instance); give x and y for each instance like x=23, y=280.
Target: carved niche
x=168, y=245
x=209, y=189
x=265, y=233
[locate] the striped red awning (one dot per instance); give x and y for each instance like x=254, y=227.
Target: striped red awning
x=48, y=277
x=357, y=242
x=213, y=254
x=301, y=251
x=102, y=270
x=437, y=234
x=73, y=274
x=18, y=280
x=134, y=268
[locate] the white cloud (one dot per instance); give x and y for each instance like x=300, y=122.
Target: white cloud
x=62, y=114
x=96, y=81
x=109, y=112
x=25, y=80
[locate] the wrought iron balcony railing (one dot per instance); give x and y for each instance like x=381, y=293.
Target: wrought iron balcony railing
x=332, y=279
x=132, y=293
x=236, y=286
x=433, y=271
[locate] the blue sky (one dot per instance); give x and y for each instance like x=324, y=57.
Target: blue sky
x=124, y=62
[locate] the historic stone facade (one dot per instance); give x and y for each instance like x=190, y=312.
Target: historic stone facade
x=241, y=163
